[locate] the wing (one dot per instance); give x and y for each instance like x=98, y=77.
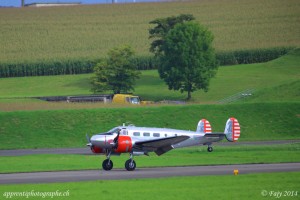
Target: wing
x=160, y=145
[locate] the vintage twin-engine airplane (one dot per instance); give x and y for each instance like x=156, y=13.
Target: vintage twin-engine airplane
x=142, y=140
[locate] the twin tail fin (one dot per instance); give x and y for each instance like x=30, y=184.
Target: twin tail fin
x=232, y=129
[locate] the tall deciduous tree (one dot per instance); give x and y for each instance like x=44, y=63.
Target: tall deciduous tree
x=116, y=72
x=188, y=59
x=163, y=26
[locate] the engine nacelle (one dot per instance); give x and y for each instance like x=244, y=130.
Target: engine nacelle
x=124, y=144
x=96, y=149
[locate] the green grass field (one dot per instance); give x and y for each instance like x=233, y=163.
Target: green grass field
x=244, y=186
x=60, y=33
x=67, y=128
x=277, y=93
x=179, y=157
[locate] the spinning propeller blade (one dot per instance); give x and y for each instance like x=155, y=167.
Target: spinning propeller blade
x=88, y=140
x=116, y=139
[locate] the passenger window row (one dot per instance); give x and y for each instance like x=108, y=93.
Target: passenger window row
x=147, y=134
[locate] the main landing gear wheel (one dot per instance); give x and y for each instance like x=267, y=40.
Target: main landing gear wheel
x=107, y=165
x=210, y=149
x=130, y=165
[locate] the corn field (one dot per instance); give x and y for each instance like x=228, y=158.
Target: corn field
x=75, y=37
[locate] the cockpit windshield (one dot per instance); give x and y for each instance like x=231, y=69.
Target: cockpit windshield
x=112, y=131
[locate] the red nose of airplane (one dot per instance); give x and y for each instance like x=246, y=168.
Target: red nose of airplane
x=96, y=149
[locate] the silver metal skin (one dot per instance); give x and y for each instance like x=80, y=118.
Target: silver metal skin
x=195, y=138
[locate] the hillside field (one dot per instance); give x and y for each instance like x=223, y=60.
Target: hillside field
x=88, y=32
x=274, y=76
x=67, y=128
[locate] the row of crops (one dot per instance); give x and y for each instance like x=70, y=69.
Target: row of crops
x=62, y=67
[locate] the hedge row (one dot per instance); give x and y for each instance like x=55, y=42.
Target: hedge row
x=141, y=62
x=145, y=62
x=46, y=68
x=251, y=56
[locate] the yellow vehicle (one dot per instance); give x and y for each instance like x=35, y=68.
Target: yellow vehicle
x=126, y=99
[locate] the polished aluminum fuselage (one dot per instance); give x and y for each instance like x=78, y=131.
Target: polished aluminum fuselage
x=106, y=140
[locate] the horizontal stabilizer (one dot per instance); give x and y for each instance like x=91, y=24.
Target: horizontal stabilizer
x=214, y=135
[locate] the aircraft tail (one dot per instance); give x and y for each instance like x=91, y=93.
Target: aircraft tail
x=203, y=126
x=232, y=130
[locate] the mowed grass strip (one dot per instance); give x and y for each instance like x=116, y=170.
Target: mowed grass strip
x=243, y=186
x=179, y=157
x=67, y=128
x=88, y=32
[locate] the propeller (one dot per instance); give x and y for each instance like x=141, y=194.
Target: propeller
x=116, y=139
x=88, y=140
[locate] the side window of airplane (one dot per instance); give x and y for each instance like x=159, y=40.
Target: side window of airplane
x=146, y=134
x=166, y=135
x=136, y=134
x=176, y=134
x=156, y=134
x=124, y=132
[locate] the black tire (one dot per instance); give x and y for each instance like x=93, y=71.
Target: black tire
x=107, y=165
x=210, y=149
x=130, y=166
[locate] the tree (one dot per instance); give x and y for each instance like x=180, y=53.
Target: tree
x=116, y=72
x=189, y=59
x=163, y=25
